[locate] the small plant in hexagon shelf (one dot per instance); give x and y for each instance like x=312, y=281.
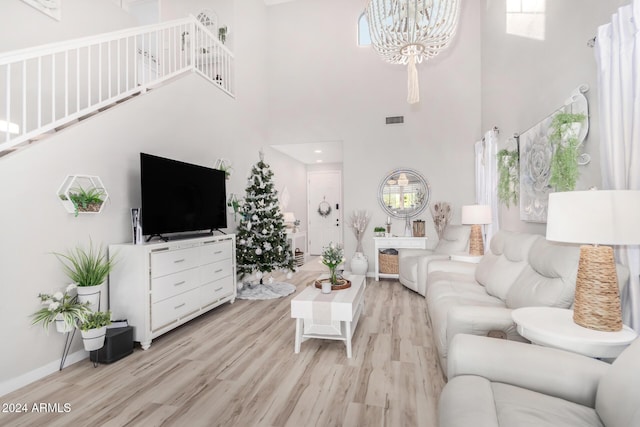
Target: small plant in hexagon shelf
x=82, y=194
x=90, y=200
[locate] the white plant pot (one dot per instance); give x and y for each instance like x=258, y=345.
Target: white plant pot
x=93, y=339
x=359, y=264
x=62, y=326
x=90, y=294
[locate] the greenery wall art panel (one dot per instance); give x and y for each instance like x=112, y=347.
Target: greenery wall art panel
x=536, y=153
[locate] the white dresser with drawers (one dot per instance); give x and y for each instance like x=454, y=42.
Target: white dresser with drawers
x=159, y=286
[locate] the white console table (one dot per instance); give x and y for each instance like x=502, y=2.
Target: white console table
x=293, y=237
x=396, y=243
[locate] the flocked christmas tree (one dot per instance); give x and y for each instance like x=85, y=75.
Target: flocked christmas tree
x=261, y=240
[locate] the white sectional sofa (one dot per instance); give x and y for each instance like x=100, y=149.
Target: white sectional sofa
x=413, y=263
x=519, y=270
x=498, y=383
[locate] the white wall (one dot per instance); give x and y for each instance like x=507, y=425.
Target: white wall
x=22, y=26
x=524, y=80
x=322, y=86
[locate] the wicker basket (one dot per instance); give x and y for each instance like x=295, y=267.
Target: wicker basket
x=388, y=263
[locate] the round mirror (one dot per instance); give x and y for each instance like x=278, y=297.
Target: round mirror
x=404, y=193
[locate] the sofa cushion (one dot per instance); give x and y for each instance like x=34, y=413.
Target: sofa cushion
x=549, y=279
x=467, y=401
x=521, y=407
x=444, y=296
x=509, y=256
x=455, y=239
x=409, y=272
x=470, y=400
x=618, y=397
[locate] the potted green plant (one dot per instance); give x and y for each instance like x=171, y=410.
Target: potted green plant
x=61, y=308
x=94, y=328
x=332, y=257
x=508, y=176
x=564, y=138
x=85, y=200
x=88, y=269
x=378, y=231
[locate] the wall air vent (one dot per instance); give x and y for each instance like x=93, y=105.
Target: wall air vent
x=395, y=120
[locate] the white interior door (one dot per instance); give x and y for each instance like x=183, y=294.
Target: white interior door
x=325, y=191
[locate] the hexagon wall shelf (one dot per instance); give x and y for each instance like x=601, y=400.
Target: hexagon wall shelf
x=83, y=194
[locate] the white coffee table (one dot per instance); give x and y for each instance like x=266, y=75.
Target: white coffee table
x=332, y=316
x=554, y=327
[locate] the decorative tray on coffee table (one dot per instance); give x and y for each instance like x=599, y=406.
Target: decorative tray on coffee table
x=342, y=284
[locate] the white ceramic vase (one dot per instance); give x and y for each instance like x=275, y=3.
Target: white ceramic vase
x=90, y=294
x=359, y=264
x=93, y=339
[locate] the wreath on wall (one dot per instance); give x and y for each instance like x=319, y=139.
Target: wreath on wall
x=324, y=209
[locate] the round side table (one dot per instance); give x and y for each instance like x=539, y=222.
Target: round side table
x=554, y=327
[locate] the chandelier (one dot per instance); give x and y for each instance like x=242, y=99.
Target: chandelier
x=409, y=31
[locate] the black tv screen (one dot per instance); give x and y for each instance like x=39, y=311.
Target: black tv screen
x=180, y=197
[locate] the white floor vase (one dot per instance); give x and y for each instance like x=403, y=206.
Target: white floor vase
x=359, y=264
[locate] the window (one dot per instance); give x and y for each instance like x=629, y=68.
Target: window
x=364, y=39
x=526, y=18
x=208, y=19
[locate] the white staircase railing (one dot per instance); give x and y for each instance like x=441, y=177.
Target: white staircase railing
x=47, y=87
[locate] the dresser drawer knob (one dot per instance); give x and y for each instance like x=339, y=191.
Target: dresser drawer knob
x=219, y=289
x=178, y=261
x=180, y=283
x=218, y=270
x=180, y=305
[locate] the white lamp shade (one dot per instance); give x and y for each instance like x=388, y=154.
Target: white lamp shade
x=604, y=217
x=476, y=214
x=289, y=217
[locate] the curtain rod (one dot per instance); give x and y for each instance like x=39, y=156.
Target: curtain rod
x=495, y=129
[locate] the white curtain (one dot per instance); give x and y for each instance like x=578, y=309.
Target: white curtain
x=618, y=57
x=487, y=179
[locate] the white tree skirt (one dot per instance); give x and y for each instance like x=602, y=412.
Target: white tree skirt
x=265, y=291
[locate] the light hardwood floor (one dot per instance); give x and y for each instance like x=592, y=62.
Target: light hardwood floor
x=235, y=366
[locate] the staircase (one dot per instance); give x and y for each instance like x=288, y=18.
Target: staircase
x=47, y=88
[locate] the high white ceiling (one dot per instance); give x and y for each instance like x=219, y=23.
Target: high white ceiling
x=313, y=152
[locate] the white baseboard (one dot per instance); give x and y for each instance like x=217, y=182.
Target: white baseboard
x=14, y=384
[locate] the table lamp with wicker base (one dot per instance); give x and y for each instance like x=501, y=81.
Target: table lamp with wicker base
x=476, y=216
x=597, y=299
x=598, y=218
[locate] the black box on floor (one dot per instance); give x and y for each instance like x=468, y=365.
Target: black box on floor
x=118, y=343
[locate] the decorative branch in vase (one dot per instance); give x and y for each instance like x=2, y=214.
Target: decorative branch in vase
x=358, y=223
x=441, y=213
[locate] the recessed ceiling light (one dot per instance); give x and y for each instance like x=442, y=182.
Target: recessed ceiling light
x=317, y=151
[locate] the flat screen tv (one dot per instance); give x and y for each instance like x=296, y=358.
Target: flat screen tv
x=179, y=197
